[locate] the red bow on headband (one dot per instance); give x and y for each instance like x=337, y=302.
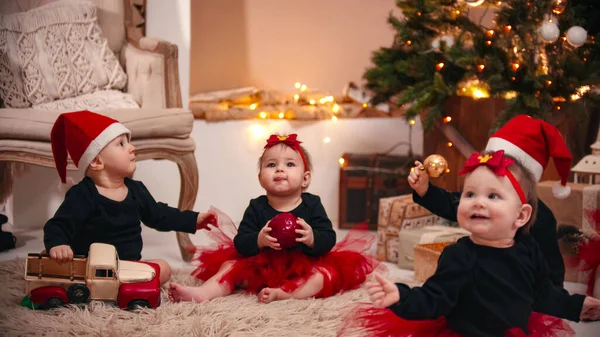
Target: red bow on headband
x=291, y=141
x=496, y=162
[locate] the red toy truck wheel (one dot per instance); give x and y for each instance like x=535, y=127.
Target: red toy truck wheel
x=136, y=304
x=49, y=297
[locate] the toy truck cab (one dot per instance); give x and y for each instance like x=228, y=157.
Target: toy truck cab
x=100, y=276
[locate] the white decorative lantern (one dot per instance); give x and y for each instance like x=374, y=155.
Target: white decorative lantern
x=576, y=36
x=549, y=31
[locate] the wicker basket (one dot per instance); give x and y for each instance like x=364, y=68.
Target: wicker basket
x=426, y=258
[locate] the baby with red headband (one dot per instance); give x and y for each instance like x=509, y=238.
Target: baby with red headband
x=494, y=282
x=252, y=259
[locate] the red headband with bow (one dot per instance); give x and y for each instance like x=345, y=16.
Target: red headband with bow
x=496, y=162
x=291, y=141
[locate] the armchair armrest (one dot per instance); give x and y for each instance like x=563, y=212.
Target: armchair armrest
x=152, y=71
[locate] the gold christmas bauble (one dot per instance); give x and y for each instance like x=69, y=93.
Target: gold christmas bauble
x=435, y=165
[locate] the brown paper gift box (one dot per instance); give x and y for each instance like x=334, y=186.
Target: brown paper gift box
x=426, y=259
x=572, y=210
x=396, y=214
x=429, y=234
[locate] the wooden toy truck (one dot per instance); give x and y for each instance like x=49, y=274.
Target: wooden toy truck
x=100, y=276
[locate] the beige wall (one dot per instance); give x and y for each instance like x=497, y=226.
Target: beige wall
x=272, y=44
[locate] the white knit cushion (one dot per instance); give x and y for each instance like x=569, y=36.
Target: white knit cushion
x=96, y=101
x=60, y=53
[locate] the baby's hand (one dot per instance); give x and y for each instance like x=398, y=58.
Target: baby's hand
x=307, y=236
x=62, y=253
x=266, y=240
x=383, y=292
x=418, y=179
x=205, y=219
x=590, y=310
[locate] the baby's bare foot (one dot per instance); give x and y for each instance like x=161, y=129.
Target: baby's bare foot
x=268, y=295
x=179, y=293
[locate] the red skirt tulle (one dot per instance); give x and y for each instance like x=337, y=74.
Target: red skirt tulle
x=589, y=253
x=345, y=267
x=384, y=323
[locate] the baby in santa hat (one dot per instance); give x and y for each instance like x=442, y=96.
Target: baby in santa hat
x=533, y=142
x=106, y=206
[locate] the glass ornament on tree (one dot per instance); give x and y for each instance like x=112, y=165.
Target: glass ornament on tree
x=549, y=31
x=474, y=3
x=576, y=36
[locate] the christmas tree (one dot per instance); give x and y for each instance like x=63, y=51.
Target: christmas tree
x=539, y=55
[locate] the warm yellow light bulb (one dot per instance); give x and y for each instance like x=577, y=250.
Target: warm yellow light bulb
x=253, y=106
x=262, y=115
x=447, y=119
x=258, y=131
x=342, y=161
x=365, y=105
x=447, y=170
x=449, y=144
x=334, y=118
x=439, y=66
x=297, y=85
x=335, y=108
x=296, y=97
x=412, y=122
x=480, y=67
x=281, y=115
x=303, y=87
x=326, y=140
x=312, y=102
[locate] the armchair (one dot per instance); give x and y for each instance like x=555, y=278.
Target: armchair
x=149, y=104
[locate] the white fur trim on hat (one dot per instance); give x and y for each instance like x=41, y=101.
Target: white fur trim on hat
x=104, y=138
x=495, y=144
x=559, y=191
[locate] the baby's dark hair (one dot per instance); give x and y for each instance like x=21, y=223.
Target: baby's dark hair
x=528, y=183
x=304, y=153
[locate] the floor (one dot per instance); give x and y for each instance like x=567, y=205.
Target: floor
x=164, y=246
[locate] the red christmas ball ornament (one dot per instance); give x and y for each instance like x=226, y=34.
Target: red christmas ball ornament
x=283, y=228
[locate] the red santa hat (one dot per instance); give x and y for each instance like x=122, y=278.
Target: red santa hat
x=532, y=142
x=83, y=134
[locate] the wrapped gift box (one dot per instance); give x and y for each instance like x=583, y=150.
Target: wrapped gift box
x=397, y=214
x=424, y=235
x=426, y=259
x=576, y=208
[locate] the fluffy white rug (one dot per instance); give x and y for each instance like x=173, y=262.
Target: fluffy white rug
x=235, y=315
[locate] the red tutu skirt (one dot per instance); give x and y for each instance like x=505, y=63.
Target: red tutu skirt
x=589, y=252
x=345, y=267
x=384, y=323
